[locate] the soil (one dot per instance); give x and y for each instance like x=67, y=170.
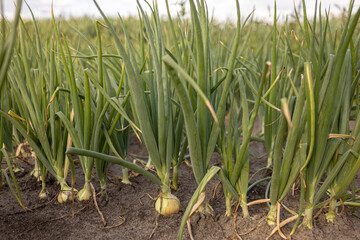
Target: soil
x=130, y=205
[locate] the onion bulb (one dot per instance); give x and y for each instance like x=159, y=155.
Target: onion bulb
x=66, y=193
x=167, y=204
x=85, y=193
x=43, y=194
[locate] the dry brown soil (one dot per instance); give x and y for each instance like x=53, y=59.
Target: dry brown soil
x=129, y=204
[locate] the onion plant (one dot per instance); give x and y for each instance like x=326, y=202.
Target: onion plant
x=16, y=194
x=323, y=126
x=295, y=99
x=36, y=79
x=235, y=157
x=7, y=128
x=153, y=112
x=7, y=43
x=180, y=146
x=342, y=152
x=342, y=170
x=114, y=125
x=270, y=115
x=345, y=164
x=78, y=112
x=171, y=84
x=277, y=87
x=287, y=162
x=89, y=128
x=312, y=141
x=202, y=129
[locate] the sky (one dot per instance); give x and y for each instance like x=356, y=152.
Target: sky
x=221, y=9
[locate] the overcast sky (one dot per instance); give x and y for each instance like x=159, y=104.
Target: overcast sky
x=222, y=9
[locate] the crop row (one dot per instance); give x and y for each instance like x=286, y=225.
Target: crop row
x=193, y=85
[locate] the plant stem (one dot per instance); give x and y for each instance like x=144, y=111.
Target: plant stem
x=308, y=216
x=269, y=160
x=244, y=207
x=42, y=176
x=271, y=217
x=330, y=216
x=205, y=207
x=36, y=171
x=16, y=165
x=102, y=185
x=175, y=176
x=125, y=176
x=228, y=212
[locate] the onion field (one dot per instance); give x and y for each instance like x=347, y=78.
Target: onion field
x=161, y=126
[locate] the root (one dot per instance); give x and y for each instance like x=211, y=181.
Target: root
x=96, y=205
x=251, y=230
x=149, y=196
x=133, y=174
x=258, y=202
x=235, y=215
x=187, y=163
x=156, y=226
x=238, y=235
x=246, y=233
x=288, y=209
x=18, y=155
x=282, y=224
x=117, y=225
x=343, y=207
x=45, y=204
x=114, y=176
x=53, y=219
x=18, y=149
x=321, y=209
x=35, y=208
x=23, y=160
x=278, y=220
x=151, y=169
x=214, y=194
x=101, y=214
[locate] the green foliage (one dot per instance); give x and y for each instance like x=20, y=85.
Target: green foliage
x=84, y=86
